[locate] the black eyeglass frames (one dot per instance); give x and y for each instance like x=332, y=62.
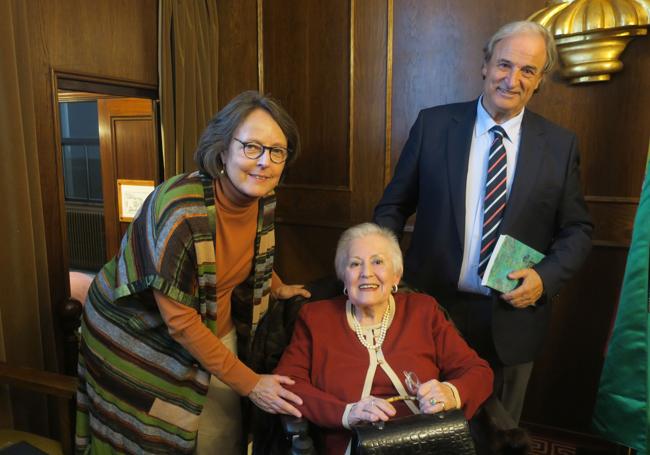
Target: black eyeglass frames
x=253, y=151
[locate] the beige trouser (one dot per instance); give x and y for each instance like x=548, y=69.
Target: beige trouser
x=220, y=426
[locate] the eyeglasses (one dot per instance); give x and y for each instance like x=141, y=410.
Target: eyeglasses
x=253, y=151
x=412, y=382
x=412, y=385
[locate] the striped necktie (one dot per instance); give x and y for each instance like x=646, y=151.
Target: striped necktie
x=494, y=201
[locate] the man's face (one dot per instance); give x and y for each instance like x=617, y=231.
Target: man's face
x=513, y=74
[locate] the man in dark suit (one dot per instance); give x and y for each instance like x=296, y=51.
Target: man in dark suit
x=478, y=169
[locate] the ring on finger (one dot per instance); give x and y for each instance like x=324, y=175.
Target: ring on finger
x=443, y=405
x=432, y=401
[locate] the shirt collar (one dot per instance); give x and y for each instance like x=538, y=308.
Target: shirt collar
x=484, y=122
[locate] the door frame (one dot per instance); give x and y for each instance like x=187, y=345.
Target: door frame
x=101, y=85
x=62, y=79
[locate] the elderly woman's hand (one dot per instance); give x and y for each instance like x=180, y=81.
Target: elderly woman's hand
x=435, y=396
x=286, y=291
x=269, y=395
x=370, y=409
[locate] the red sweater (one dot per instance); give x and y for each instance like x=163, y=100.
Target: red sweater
x=329, y=364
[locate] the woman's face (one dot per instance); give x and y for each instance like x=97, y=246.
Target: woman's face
x=369, y=275
x=254, y=177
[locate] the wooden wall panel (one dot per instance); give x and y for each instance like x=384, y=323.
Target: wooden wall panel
x=320, y=60
x=305, y=253
x=237, y=48
x=129, y=144
x=565, y=378
x=115, y=38
x=307, y=66
x=369, y=107
x=611, y=120
x=327, y=63
x=613, y=220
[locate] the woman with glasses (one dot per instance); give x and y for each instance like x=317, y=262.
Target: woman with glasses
x=376, y=353
x=164, y=319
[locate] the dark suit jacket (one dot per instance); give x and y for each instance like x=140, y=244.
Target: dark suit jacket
x=545, y=210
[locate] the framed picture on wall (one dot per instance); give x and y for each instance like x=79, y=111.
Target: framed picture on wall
x=130, y=196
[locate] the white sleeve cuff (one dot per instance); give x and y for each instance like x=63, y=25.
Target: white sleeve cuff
x=454, y=391
x=344, y=419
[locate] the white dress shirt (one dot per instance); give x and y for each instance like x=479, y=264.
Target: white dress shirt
x=469, y=281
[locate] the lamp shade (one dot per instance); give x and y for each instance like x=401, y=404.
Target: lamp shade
x=591, y=34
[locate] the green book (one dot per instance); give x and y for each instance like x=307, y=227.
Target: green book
x=509, y=255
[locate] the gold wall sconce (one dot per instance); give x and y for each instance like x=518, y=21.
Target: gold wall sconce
x=591, y=34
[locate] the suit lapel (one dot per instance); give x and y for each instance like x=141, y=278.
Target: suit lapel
x=529, y=162
x=459, y=141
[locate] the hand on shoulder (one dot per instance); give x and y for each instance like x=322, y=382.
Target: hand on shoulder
x=286, y=291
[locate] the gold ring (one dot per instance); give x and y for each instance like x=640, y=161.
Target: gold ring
x=443, y=404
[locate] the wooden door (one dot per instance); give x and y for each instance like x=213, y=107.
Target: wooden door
x=128, y=147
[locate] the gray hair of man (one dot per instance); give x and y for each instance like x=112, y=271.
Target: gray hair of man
x=364, y=230
x=217, y=136
x=523, y=27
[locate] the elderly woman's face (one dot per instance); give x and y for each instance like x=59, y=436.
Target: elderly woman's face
x=255, y=177
x=369, y=274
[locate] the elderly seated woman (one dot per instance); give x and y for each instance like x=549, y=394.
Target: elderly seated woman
x=354, y=357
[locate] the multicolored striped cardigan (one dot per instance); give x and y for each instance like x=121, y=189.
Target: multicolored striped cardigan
x=140, y=391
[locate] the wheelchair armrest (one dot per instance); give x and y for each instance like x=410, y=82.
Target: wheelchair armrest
x=296, y=430
x=293, y=426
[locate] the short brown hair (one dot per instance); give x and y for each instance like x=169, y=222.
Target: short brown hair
x=217, y=136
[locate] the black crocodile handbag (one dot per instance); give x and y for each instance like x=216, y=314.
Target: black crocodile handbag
x=445, y=433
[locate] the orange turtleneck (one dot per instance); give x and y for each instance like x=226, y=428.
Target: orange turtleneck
x=236, y=220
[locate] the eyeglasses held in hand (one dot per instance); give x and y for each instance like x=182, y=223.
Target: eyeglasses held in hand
x=412, y=383
x=253, y=150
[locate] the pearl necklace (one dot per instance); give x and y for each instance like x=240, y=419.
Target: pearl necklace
x=383, y=328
